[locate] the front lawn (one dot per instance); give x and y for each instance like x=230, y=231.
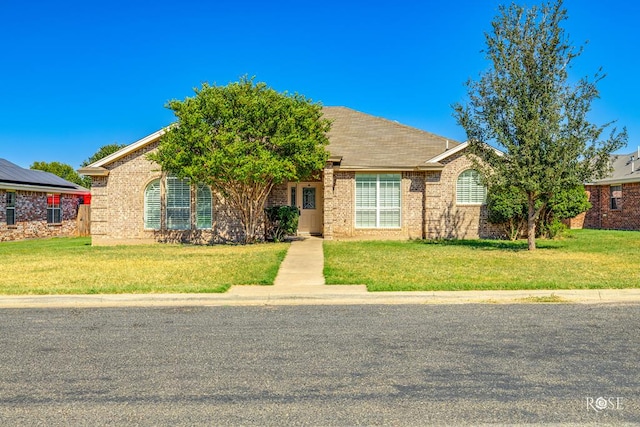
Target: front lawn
x=73, y=266
x=582, y=259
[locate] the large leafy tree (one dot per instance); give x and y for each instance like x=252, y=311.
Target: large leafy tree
x=242, y=139
x=527, y=106
x=102, y=152
x=63, y=170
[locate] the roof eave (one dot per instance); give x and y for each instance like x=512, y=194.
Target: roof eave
x=43, y=189
x=614, y=181
x=407, y=168
x=450, y=152
x=93, y=171
x=130, y=148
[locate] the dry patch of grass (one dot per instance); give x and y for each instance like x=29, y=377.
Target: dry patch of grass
x=584, y=259
x=543, y=299
x=73, y=266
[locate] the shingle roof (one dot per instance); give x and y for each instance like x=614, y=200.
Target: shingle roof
x=624, y=170
x=11, y=173
x=368, y=142
x=362, y=141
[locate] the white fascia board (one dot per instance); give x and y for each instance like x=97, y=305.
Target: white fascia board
x=457, y=149
x=448, y=153
x=129, y=149
x=615, y=181
x=42, y=189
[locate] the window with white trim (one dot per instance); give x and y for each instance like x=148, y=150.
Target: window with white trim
x=204, y=217
x=152, y=205
x=178, y=204
x=615, y=192
x=11, y=208
x=378, y=200
x=54, y=212
x=469, y=188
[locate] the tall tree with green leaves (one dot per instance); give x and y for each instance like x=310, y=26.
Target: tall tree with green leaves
x=63, y=170
x=242, y=139
x=526, y=105
x=102, y=152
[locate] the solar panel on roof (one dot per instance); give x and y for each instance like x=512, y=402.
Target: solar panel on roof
x=12, y=173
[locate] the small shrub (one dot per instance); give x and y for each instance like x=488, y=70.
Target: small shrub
x=281, y=222
x=554, y=229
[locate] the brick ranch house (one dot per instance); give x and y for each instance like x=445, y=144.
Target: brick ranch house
x=37, y=204
x=615, y=200
x=382, y=180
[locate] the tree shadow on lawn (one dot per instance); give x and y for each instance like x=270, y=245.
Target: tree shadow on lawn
x=503, y=245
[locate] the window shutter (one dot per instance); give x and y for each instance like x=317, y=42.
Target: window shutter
x=469, y=188
x=178, y=204
x=204, y=217
x=378, y=200
x=366, y=200
x=152, y=205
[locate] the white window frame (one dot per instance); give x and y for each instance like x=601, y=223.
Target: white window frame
x=469, y=189
x=54, y=211
x=380, y=207
x=617, y=201
x=204, y=207
x=152, y=206
x=11, y=208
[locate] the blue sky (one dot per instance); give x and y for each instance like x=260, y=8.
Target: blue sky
x=77, y=75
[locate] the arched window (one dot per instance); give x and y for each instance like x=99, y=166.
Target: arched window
x=203, y=207
x=152, y=205
x=469, y=188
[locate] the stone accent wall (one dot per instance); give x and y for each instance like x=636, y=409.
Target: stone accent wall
x=31, y=216
x=600, y=216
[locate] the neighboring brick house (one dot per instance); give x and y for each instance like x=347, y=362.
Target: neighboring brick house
x=615, y=200
x=37, y=204
x=382, y=180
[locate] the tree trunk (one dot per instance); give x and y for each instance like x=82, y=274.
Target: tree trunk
x=531, y=224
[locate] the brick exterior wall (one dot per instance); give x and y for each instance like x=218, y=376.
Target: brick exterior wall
x=601, y=216
x=31, y=216
x=428, y=207
x=445, y=219
x=117, y=212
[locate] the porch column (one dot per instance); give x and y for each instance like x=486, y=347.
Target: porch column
x=327, y=183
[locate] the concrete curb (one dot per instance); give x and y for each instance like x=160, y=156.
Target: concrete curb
x=324, y=295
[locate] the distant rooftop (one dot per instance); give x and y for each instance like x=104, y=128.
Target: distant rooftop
x=10, y=173
x=624, y=169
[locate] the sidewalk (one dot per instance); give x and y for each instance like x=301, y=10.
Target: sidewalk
x=300, y=282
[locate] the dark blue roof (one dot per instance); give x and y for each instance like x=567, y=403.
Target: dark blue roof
x=14, y=174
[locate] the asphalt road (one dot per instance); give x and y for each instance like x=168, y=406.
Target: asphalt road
x=321, y=365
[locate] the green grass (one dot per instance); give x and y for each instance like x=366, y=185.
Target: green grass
x=73, y=266
x=582, y=259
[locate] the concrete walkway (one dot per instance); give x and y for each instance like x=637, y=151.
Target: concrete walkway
x=300, y=282
x=300, y=275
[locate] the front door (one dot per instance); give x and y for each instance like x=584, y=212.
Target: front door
x=307, y=196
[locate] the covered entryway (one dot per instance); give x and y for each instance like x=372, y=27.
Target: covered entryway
x=307, y=196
